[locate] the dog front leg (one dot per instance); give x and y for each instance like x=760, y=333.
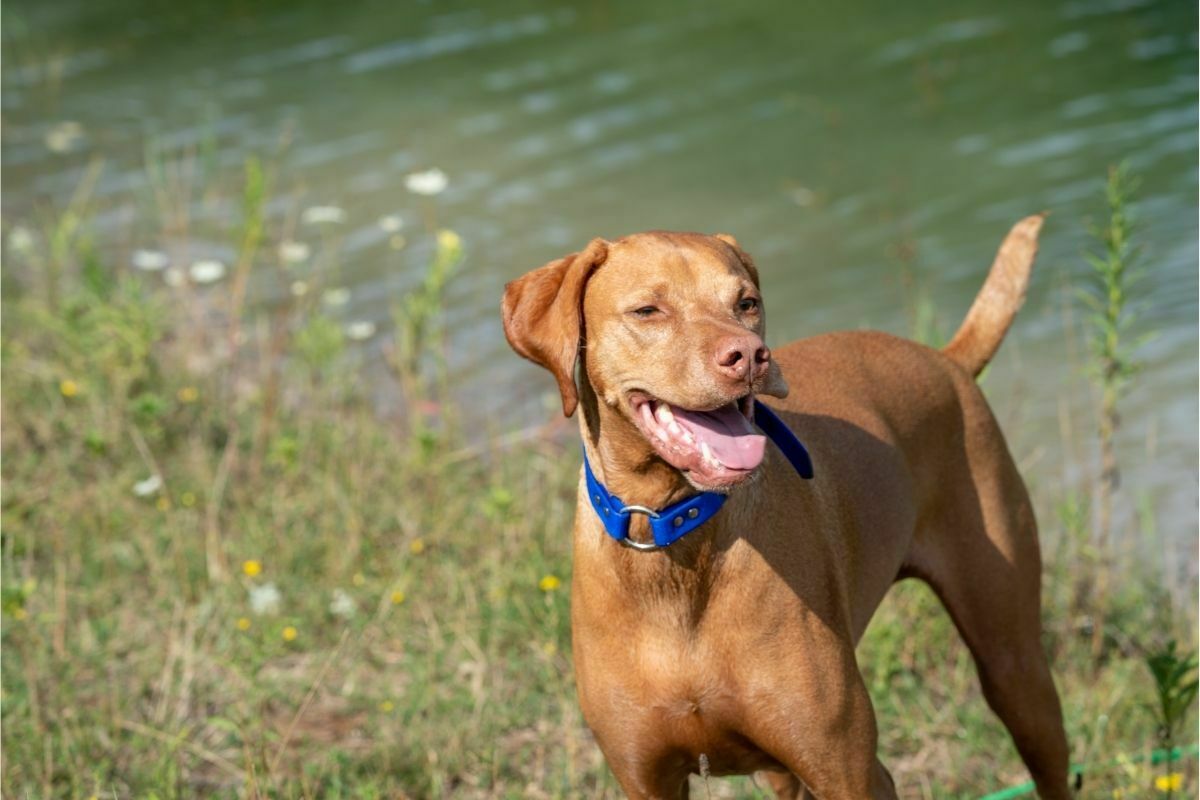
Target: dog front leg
x=821, y=727
x=649, y=779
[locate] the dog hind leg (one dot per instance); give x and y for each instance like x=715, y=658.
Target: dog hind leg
x=985, y=566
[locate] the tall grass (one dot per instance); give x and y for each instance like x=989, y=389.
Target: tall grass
x=225, y=574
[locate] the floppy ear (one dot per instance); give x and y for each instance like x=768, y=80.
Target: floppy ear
x=543, y=315
x=742, y=255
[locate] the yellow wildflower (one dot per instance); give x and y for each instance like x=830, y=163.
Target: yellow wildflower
x=187, y=499
x=20, y=613
x=448, y=240
x=358, y=579
x=188, y=394
x=243, y=623
x=549, y=583
x=290, y=634
x=1169, y=783
x=68, y=388
x=416, y=546
x=252, y=567
x=162, y=504
x=386, y=706
x=550, y=649
x=397, y=597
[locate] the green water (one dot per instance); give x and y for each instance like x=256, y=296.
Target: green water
x=865, y=154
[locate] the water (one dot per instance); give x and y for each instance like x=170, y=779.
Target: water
x=863, y=156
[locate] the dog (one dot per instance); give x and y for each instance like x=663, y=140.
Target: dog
x=731, y=649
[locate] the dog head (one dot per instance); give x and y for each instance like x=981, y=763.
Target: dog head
x=671, y=328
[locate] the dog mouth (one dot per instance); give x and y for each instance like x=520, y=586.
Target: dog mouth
x=715, y=448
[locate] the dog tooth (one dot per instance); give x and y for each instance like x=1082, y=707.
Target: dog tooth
x=663, y=412
x=674, y=428
x=649, y=421
x=709, y=458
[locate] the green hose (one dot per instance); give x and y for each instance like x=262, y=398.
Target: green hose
x=1156, y=757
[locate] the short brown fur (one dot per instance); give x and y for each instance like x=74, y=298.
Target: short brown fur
x=737, y=642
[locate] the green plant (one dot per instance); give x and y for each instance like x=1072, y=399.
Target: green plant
x=417, y=318
x=319, y=344
x=1110, y=322
x=1175, y=685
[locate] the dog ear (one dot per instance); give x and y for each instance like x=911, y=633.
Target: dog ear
x=742, y=255
x=775, y=385
x=543, y=315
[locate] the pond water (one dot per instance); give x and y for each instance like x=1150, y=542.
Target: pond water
x=866, y=154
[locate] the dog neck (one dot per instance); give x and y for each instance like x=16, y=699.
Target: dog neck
x=674, y=585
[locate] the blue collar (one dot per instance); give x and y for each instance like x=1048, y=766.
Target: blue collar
x=672, y=523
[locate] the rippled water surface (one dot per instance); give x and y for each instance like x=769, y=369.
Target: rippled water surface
x=866, y=155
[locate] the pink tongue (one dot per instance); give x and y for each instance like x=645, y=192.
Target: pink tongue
x=727, y=432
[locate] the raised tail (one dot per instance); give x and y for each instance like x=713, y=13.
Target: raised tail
x=979, y=336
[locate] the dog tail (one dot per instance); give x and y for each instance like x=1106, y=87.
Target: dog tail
x=979, y=337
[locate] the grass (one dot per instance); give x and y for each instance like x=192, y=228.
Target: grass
x=226, y=575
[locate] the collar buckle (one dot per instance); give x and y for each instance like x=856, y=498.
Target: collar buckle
x=649, y=512
x=642, y=547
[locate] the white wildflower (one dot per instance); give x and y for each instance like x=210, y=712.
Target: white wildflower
x=147, y=487
x=430, y=182
x=316, y=215
x=20, y=239
x=336, y=297
x=265, y=599
x=208, y=270
x=291, y=252
x=343, y=605
x=360, y=331
x=63, y=137
x=149, y=260
x=299, y=288
x=392, y=223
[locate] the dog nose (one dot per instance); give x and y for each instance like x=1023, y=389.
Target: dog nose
x=740, y=356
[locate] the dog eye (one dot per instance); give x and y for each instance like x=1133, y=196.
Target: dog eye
x=644, y=312
x=748, y=304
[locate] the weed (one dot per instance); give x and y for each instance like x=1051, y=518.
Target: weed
x=1110, y=320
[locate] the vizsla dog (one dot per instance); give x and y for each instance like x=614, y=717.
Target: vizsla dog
x=731, y=648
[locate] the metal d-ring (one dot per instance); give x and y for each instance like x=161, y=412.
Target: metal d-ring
x=643, y=547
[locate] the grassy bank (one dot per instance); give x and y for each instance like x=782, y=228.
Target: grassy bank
x=226, y=574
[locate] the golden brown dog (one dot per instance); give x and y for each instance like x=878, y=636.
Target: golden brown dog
x=735, y=645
